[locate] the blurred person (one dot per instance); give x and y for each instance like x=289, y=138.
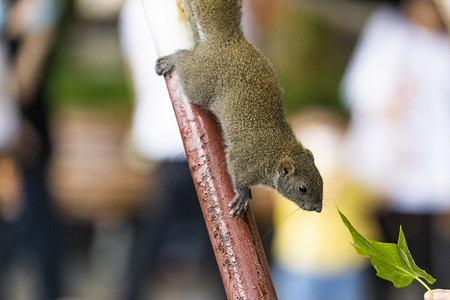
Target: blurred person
x=29, y=32
x=398, y=92
x=171, y=228
x=312, y=254
x=9, y=114
x=8, y=132
x=9, y=119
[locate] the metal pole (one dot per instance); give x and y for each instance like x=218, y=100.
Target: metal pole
x=235, y=241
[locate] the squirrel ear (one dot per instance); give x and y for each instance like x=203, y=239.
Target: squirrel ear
x=286, y=167
x=310, y=154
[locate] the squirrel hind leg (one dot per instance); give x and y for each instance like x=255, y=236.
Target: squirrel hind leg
x=165, y=65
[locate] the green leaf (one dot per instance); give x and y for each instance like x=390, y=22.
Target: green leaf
x=392, y=262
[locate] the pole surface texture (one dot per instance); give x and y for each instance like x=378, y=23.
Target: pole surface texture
x=235, y=241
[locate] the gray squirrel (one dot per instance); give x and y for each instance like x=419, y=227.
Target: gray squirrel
x=228, y=76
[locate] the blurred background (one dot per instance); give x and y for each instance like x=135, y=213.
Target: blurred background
x=81, y=192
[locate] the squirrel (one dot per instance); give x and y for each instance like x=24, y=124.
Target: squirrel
x=228, y=76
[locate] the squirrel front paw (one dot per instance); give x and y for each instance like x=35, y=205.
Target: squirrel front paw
x=240, y=202
x=164, y=65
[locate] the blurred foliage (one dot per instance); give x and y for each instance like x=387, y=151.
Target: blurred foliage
x=76, y=83
x=82, y=74
x=310, y=56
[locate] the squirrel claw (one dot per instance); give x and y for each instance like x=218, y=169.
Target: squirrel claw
x=164, y=66
x=238, y=205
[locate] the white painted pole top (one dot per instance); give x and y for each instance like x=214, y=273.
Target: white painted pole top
x=169, y=26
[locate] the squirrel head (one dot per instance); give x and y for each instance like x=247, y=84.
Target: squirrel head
x=299, y=180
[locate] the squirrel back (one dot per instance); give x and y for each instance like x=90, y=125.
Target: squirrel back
x=214, y=19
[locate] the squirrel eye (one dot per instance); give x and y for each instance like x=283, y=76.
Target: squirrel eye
x=302, y=189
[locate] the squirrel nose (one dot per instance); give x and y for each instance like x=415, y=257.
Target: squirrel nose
x=318, y=209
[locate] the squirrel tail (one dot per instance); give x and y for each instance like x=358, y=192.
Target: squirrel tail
x=214, y=19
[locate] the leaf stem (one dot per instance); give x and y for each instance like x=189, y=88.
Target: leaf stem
x=424, y=284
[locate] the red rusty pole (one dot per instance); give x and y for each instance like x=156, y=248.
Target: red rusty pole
x=235, y=241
